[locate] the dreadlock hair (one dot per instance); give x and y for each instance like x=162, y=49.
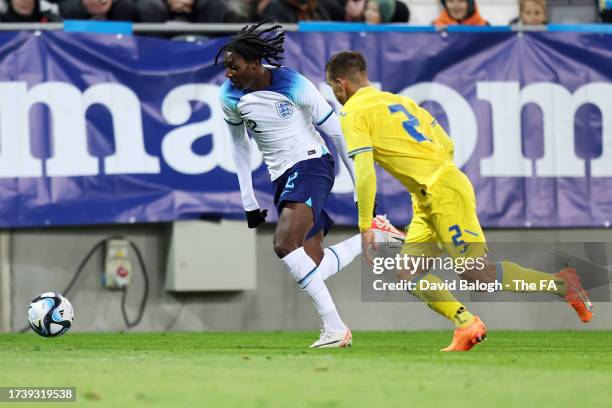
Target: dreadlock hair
x=257, y=45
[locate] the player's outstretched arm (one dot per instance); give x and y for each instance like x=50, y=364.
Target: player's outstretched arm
x=241, y=152
x=365, y=186
x=332, y=128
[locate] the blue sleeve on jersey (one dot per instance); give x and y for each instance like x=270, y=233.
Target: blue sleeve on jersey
x=230, y=95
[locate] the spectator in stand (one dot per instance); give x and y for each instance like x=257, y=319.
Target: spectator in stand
x=460, y=12
x=292, y=11
x=119, y=10
x=531, y=12
x=386, y=11
x=370, y=11
x=353, y=10
x=605, y=11
x=255, y=9
x=22, y=11
x=194, y=11
x=336, y=8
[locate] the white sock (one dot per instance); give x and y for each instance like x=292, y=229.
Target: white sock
x=317, y=291
x=306, y=274
x=340, y=255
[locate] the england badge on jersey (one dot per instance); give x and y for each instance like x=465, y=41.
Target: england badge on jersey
x=284, y=109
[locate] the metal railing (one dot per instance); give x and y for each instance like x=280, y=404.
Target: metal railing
x=180, y=27
x=172, y=27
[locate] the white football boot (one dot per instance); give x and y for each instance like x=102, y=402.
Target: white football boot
x=329, y=339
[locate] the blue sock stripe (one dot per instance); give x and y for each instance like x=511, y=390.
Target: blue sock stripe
x=500, y=272
x=306, y=277
x=337, y=257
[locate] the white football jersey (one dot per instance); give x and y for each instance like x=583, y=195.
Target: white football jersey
x=280, y=118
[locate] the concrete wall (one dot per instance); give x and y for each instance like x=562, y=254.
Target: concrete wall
x=43, y=260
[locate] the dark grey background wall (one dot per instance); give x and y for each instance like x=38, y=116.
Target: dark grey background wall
x=46, y=259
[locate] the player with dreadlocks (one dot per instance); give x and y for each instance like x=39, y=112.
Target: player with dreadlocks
x=280, y=107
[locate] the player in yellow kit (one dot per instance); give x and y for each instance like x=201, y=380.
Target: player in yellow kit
x=406, y=141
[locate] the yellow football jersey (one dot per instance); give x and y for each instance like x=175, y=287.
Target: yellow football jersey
x=405, y=139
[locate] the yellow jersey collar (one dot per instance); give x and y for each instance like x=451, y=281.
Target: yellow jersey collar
x=365, y=91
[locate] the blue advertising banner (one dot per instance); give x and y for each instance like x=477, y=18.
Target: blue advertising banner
x=119, y=129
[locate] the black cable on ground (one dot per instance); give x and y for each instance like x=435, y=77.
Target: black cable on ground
x=145, y=276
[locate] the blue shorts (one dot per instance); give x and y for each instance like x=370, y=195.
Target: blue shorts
x=309, y=181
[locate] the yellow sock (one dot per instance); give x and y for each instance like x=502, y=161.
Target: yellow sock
x=443, y=302
x=515, y=278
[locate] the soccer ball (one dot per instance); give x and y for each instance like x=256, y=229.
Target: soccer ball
x=50, y=314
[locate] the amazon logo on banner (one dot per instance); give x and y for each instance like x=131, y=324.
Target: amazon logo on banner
x=71, y=155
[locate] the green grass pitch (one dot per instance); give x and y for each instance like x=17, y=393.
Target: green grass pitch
x=400, y=369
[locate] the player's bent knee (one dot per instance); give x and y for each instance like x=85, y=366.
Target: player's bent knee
x=284, y=248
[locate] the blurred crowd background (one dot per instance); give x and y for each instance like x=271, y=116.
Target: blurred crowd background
x=451, y=12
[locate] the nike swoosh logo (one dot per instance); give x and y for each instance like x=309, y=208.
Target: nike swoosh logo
x=327, y=344
x=244, y=114
x=342, y=113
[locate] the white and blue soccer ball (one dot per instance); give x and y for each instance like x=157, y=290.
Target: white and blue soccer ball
x=50, y=314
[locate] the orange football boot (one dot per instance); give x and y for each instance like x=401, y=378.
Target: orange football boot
x=382, y=223
x=576, y=296
x=467, y=337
